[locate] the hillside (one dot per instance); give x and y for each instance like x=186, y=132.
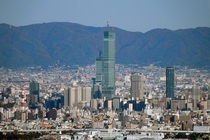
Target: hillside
x=70, y=43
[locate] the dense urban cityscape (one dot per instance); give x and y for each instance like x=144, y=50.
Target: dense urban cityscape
x=106, y=100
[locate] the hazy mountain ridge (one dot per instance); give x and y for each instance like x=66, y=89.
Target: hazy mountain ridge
x=70, y=43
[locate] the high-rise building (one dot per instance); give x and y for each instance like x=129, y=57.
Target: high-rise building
x=108, y=65
x=69, y=97
x=137, y=86
x=74, y=95
x=99, y=72
x=86, y=94
x=195, y=96
x=178, y=104
x=93, y=82
x=97, y=91
x=34, y=92
x=116, y=103
x=169, y=82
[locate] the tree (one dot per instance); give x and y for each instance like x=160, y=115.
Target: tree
x=193, y=136
x=181, y=135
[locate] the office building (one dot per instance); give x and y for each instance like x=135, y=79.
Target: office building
x=195, y=96
x=52, y=114
x=108, y=65
x=34, y=92
x=97, y=91
x=108, y=104
x=116, y=103
x=169, y=82
x=99, y=72
x=69, y=97
x=74, y=95
x=94, y=104
x=86, y=94
x=178, y=104
x=137, y=86
x=77, y=91
x=93, y=82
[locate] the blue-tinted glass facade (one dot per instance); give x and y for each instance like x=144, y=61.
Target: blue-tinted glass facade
x=108, y=66
x=99, y=72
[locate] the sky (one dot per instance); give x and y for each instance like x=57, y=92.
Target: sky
x=130, y=15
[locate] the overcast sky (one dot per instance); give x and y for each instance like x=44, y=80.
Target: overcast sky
x=131, y=15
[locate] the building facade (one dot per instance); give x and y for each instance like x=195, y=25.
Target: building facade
x=99, y=72
x=97, y=93
x=169, y=82
x=108, y=65
x=137, y=86
x=34, y=92
x=74, y=95
x=195, y=96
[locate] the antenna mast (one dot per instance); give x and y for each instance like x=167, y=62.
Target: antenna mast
x=108, y=22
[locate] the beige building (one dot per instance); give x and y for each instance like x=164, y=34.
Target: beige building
x=74, y=95
x=195, y=96
x=137, y=86
x=86, y=94
x=94, y=104
x=208, y=104
x=203, y=105
x=177, y=104
x=69, y=97
x=23, y=116
x=77, y=91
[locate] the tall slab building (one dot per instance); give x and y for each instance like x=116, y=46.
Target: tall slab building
x=74, y=95
x=99, y=72
x=34, y=92
x=108, y=68
x=137, y=86
x=195, y=96
x=169, y=82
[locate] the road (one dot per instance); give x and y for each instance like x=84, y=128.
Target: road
x=136, y=130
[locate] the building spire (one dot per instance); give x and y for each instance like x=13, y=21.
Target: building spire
x=108, y=22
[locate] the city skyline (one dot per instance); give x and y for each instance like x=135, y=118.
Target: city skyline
x=139, y=16
x=119, y=113
x=153, y=92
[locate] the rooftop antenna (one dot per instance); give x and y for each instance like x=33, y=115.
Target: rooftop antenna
x=108, y=22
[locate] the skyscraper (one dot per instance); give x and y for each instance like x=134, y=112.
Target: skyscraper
x=86, y=94
x=99, y=72
x=169, y=82
x=137, y=86
x=74, y=95
x=34, y=91
x=97, y=91
x=195, y=96
x=108, y=68
x=69, y=97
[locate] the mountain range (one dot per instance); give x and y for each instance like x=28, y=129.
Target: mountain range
x=70, y=43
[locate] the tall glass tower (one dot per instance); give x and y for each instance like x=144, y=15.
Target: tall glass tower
x=34, y=90
x=108, y=79
x=99, y=72
x=169, y=82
